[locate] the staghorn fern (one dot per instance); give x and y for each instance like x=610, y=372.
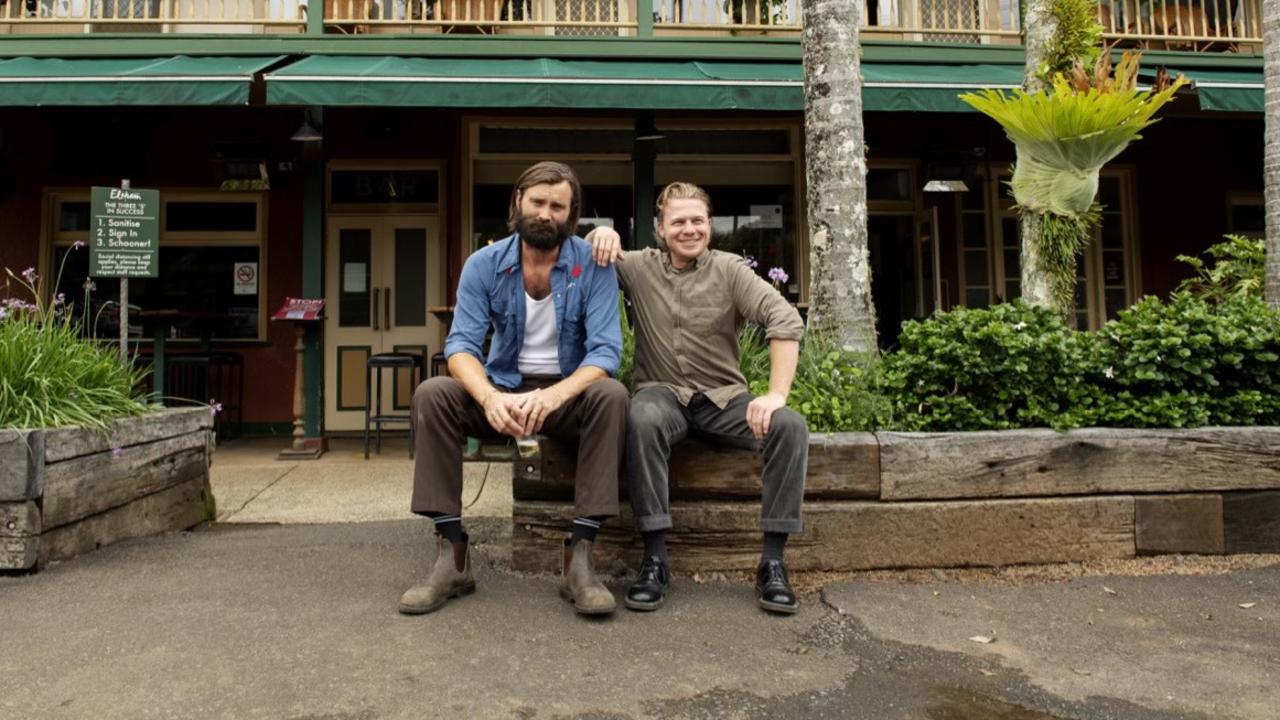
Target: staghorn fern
x=1064, y=136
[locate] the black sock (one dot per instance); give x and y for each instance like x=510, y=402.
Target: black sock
x=448, y=527
x=655, y=544
x=585, y=528
x=774, y=544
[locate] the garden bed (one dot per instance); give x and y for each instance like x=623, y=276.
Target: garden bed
x=892, y=500
x=67, y=491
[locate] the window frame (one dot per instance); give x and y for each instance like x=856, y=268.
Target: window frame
x=1095, y=297
x=1238, y=198
x=53, y=237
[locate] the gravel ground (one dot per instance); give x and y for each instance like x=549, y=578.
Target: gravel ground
x=810, y=583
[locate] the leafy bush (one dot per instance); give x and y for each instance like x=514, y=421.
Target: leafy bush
x=50, y=376
x=1188, y=363
x=1008, y=366
x=1237, y=268
x=627, y=367
x=836, y=390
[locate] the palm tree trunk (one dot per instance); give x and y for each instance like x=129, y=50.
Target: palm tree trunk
x=836, y=173
x=1271, y=155
x=1039, y=25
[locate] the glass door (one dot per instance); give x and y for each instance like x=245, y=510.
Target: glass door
x=383, y=276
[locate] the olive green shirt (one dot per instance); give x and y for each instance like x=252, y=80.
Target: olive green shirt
x=687, y=321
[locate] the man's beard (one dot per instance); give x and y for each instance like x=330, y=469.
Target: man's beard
x=542, y=235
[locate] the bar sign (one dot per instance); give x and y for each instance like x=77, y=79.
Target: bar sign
x=125, y=232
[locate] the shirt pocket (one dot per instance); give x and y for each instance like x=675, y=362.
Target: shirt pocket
x=708, y=310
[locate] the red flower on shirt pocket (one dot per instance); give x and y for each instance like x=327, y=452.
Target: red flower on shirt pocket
x=577, y=270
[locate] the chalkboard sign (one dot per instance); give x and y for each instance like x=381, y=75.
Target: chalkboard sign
x=124, y=233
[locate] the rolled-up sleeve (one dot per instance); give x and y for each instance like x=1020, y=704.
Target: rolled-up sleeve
x=604, y=333
x=471, y=313
x=762, y=304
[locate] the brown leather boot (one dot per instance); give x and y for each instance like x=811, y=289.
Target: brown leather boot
x=444, y=582
x=580, y=586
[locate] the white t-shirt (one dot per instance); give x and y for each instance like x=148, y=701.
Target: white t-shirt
x=540, y=354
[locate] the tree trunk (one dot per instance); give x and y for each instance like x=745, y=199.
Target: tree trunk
x=1039, y=26
x=836, y=173
x=1271, y=155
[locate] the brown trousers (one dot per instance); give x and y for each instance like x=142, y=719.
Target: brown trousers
x=444, y=414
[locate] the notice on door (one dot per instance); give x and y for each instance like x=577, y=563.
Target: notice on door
x=353, y=277
x=246, y=278
x=125, y=233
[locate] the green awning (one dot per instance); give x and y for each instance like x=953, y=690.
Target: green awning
x=601, y=84
x=177, y=80
x=1226, y=90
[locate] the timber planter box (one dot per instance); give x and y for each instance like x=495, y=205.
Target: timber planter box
x=888, y=500
x=70, y=490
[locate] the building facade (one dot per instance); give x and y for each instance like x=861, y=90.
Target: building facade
x=359, y=150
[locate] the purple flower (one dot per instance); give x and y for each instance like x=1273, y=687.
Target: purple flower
x=89, y=285
x=4, y=313
x=59, y=298
x=29, y=274
x=778, y=275
x=77, y=245
x=751, y=262
x=214, y=407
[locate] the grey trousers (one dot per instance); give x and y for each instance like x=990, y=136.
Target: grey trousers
x=444, y=414
x=657, y=421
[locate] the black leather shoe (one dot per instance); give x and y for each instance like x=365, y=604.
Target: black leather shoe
x=650, y=589
x=773, y=589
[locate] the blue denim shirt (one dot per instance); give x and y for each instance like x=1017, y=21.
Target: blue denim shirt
x=491, y=292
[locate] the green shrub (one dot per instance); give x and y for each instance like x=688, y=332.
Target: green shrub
x=1009, y=366
x=1237, y=268
x=836, y=390
x=627, y=367
x=50, y=376
x=1188, y=363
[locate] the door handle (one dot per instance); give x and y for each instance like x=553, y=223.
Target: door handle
x=386, y=308
x=375, y=308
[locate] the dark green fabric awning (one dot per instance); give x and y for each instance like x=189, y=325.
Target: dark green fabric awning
x=552, y=83
x=177, y=80
x=1226, y=90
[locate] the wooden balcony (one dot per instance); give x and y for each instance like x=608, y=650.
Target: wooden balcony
x=153, y=16
x=1188, y=25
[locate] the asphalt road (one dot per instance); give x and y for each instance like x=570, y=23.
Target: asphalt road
x=299, y=621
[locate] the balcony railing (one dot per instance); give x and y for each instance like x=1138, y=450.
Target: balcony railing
x=543, y=17
x=1196, y=25
x=1199, y=25
x=152, y=16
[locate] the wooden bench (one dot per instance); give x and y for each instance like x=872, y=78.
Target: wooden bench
x=894, y=500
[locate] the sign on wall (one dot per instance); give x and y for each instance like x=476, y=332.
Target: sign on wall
x=246, y=278
x=124, y=233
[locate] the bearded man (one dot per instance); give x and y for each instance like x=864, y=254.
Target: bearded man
x=556, y=342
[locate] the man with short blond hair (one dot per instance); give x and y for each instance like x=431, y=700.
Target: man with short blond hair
x=556, y=342
x=690, y=303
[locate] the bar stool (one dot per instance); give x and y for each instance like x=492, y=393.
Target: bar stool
x=375, y=365
x=438, y=364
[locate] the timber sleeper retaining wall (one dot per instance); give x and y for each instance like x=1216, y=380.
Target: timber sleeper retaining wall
x=885, y=500
x=67, y=491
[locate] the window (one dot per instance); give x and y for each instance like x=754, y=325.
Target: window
x=1106, y=272
x=749, y=167
x=1247, y=215
x=205, y=238
x=975, y=253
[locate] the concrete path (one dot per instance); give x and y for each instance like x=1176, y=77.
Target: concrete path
x=251, y=618
x=252, y=486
